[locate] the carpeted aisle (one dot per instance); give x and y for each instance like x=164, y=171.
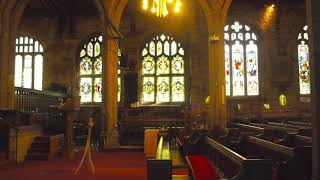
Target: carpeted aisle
x=114, y=165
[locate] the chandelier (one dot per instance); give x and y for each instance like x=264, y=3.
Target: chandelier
x=160, y=7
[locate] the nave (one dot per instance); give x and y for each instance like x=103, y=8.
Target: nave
x=204, y=90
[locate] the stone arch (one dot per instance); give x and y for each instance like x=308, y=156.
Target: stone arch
x=209, y=7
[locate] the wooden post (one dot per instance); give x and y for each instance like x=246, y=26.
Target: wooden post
x=68, y=107
x=69, y=134
x=313, y=18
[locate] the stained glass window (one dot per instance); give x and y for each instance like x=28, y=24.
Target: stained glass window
x=91, y=71
x=119, y=76
x=303, y=62
x=241, y=61
x=28, y=63
x=163, y=69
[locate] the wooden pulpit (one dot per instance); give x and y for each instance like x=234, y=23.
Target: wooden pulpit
x=70, y=110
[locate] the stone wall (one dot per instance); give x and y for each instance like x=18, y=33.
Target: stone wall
x=278, y=65
x=277, y=50
x=60, y=44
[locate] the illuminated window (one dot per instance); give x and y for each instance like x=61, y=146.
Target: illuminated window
x=91, y=71
x=28, y=63
x=119, y=76
x=241, y=61
x=303, y=62
x=163, y=71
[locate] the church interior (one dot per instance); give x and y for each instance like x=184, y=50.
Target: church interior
x=160, y=89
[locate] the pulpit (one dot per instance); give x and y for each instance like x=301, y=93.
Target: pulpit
x=70, y=110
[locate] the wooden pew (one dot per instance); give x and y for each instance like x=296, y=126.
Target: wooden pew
x=236, y=166
x=290, y=163
x=160, y=168
x=274, y=135
x=229, y=164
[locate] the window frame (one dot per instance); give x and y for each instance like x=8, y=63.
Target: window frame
x=244, y=43
x=92, y=76
x=301, y=32
x=185, y=75
x=40, y=52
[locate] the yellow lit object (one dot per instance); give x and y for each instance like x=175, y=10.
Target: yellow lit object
x=176, y=10
x=268, y=16
x=238, y=107
x=207, y=100
x=266, y=106
x=282, y=100
x=160, y=7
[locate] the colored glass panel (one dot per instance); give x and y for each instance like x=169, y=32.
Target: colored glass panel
x=163, y=65
x=238, y=70
x=178, y=89
x=90, y=49
x=97, y=49
x=177, y=65
x=148, y=89
x=163, y=89
x=252, y=69
x=167, y=48
x=304, y=69
x=86, y=66
x=98, y=66
x=159, y=48
x=173, y=48
x=148, y=65
x=97, y=97
x=86, y=89
x=227, y=68
x=119, y=89
x=152, y=49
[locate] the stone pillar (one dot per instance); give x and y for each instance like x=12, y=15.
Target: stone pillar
x=7, y=71
x=313, y=18
x=218, y=111
x=111, y=93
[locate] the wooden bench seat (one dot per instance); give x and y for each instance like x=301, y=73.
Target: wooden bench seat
x=290, y=163
x=225, y=163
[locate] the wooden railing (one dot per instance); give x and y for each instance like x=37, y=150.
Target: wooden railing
x=34, y=101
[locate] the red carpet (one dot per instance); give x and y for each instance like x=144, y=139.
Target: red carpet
x=115, y=165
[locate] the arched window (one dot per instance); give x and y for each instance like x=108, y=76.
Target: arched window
x=28, y=63
x=303, y=62
x=241, y=61
x=163, y=71
x=91, y=71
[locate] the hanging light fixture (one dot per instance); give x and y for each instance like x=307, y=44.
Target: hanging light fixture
x=160, y=7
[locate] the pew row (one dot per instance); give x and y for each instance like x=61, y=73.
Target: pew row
x=161, y=168
x=289, y=163
x=274, y=135
x=235, y=166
